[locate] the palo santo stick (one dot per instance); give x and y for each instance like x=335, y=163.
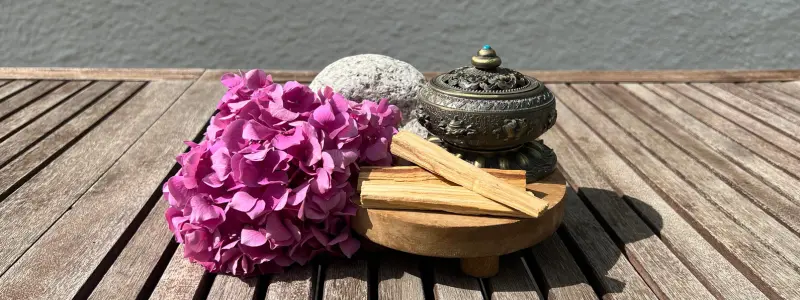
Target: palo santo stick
x=433, y=158
x=414, y=174
x=455, y=199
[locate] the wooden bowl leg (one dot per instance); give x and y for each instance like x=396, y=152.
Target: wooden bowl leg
x=481, y=267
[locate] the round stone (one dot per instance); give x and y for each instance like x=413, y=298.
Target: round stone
x=372, y=77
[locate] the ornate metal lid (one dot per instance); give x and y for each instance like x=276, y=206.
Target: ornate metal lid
x=485, y=79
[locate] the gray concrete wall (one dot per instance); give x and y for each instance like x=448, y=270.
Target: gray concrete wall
x=432, y=35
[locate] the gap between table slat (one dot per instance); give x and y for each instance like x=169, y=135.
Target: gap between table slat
x=782, y=151
x=451, y=284
x=40, y=107
x=513, y=281
x=57, y=190
x=14, y=87
x=704, y=216
x=716, y=191
x=561, y=277
x=78, y=109
x=181, y=280
x=399, y=276
x=775, y=91
x=26, y=97
x=761, y=114
x=763, y=102
x=755, y=184
x=654, y=261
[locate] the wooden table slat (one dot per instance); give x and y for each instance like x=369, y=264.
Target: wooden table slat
x=784, y=93
x=716, y=273
x=100, y=73
x=13, y=87
x=88, y=231
x=47, y=102
x=451, y=284
x=399, y=277
x=616, y=275
x=654, y=261
x=769, y=199
x=774, y=270
x=294, y=284
x=56, y=189
x=3, y=82
x=346, y=280
x=22, y=139
x=561, y=273
x=763, y=102
x=228, y=287
x=180, y=281
x=127, y=276
x=767, y=117
x=566, y=76
x=706, y=183
x=26, y=97
x=756, y=136
x=25, y=163
x=513, y=281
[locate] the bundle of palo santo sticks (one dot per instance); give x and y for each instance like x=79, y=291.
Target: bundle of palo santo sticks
x=443, y=182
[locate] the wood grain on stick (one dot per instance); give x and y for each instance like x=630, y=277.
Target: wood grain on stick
x=433, y=158
x=415, y=188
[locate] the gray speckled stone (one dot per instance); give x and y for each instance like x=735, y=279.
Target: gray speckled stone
x=374, y=76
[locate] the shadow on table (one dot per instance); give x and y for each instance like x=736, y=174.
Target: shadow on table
x=578, y=256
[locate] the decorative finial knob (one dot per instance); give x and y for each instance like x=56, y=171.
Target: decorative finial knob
x=486, y=59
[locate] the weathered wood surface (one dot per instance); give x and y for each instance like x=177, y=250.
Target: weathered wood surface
x=562, y=276
x=39, y=129
x=233, y=288
x=684, y=190
x=514, y=281
x=13, y=87
x=782, y=93
x=756, y=111
x=181, y=280
x=399, y=277
x=294, y=284
x=26, y=97
x=779, y=149
x=100, y=73
x=450, y=283
x=595, y=75
x=346, y=280
x=775, y=271
x=40, y=106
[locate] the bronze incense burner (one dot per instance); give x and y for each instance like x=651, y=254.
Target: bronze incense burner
x=491, y=116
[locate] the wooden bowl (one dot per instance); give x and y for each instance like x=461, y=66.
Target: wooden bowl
x=477, y=240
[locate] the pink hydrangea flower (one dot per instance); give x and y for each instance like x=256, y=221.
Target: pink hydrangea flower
x=270, y=184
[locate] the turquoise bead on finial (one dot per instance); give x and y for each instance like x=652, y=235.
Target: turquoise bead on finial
x=487, y=47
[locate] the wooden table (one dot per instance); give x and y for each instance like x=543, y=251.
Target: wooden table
x=684, y=186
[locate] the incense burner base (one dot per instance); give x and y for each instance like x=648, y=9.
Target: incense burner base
x=534, y=157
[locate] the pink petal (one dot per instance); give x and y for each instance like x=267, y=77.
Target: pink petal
x=253, y=238
x=212, y=180
x=298, y=194
x=257, y=210
x=232, y=135
x=206, y=213
x=242, y=201
x=349, y=247
x=255, y=79
x=255, y=131
x=221, y=163
x=321, y=183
